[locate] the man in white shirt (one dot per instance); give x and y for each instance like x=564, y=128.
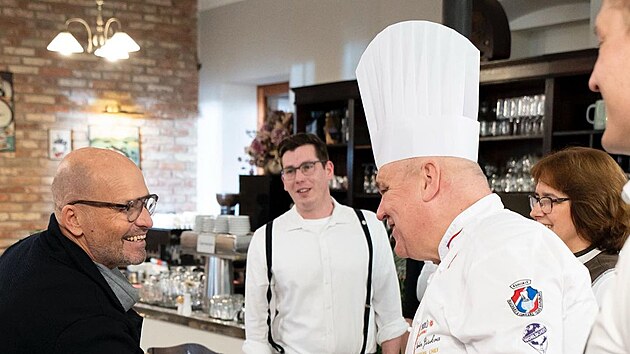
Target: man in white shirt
x=504, y=283
x=611, y=77
x=320, y=265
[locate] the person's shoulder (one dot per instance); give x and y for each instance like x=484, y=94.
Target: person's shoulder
x=506, y=224
x=509, y=230
x=278, y=223
x=21, y=246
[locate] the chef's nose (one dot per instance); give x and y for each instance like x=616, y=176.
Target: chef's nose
x=380, y=212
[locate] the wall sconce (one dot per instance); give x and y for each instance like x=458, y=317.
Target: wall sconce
x=117, y=109
x=118, y=46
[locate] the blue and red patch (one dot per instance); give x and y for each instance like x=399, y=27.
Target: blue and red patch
x=526, y=300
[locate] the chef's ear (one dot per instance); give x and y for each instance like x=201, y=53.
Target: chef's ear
x=430, y=174
x=68, y=219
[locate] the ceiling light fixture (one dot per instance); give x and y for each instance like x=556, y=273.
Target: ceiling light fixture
x=114, y=47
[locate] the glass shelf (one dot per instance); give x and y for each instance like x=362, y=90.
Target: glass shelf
x=510, y=137
x=577, y=132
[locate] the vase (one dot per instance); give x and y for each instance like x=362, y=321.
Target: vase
x=272, y=167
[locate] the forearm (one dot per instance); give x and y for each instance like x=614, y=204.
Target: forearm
x=405, y=336
x=391, y=346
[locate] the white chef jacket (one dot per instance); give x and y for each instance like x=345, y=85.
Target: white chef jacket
x=505, y=284
x=611, y=331
x=319, y=285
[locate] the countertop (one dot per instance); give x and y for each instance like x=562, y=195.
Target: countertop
x=198, y=320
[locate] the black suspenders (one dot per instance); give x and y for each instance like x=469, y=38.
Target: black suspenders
x=368, y=295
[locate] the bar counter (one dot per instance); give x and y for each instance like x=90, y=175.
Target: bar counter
x=198, y=320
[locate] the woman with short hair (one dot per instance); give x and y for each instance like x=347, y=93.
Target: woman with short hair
x=577, y=197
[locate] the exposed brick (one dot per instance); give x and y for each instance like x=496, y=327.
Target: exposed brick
x=167, y=3
x=16, y=13
x=56, y=71
x=19, y=51
x=39, y=117
x=39, y=99
x=72, y=82
x=27, y=144
x=26, y=216
x=36, y=61
x=22, y=69
x=9, y=3
x=58, y=92
x=146, y=79
x=159, y=88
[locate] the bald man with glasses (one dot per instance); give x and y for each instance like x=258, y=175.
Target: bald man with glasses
x=61, y=288
x=320, y=277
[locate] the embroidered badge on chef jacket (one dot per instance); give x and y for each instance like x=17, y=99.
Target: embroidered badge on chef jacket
x=535, y=335
x=525, y=301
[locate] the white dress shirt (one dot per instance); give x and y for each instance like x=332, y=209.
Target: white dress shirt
x=611, y=331
x=319, y=285
x=505, y=284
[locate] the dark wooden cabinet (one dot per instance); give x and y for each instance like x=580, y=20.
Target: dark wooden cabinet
x=351, y=152
x=562, y=78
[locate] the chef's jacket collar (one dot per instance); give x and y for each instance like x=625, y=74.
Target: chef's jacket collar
x=339, y=215
x=486, y=205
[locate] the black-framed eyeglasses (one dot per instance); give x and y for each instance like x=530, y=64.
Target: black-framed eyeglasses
x=132, y=208
x=307, y=168
x=545, y=203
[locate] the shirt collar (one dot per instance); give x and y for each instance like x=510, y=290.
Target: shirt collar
x=484, y=206
x=124, y=291
x=339, y=215
x=625, y=194
x=587, y=254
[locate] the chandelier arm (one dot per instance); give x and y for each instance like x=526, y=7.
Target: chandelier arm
x=108, y=23
x=87, y=27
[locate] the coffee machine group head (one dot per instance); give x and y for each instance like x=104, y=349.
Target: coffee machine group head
x=227, y=201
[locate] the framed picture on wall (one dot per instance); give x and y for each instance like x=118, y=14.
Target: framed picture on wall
x=59, y=143
x=125, y=140
x=7, y=110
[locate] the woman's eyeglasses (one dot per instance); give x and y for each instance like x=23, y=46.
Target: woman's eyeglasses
x=545, y=203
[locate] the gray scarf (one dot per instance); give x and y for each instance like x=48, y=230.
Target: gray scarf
x=124, y=291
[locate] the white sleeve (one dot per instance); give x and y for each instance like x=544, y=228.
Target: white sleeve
x=256, y=284
x=611, y=331
x=386, y=301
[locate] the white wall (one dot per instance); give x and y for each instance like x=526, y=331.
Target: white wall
x=257, y=42
x=551, y=26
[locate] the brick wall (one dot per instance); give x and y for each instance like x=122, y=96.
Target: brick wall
x=51, y=91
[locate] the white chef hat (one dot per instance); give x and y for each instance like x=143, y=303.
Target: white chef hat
x=419, y=83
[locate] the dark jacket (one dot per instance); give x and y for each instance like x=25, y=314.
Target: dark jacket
x=53, y=299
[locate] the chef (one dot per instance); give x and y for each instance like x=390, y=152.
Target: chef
x=504, y=283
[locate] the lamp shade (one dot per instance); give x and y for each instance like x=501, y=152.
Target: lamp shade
x=110, y=53
x=65, y=43
x=122, y=41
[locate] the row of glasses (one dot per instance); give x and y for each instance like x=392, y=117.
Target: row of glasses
x=369, y=178
x=515, y=176
x=164, y=288
x=516, y=116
